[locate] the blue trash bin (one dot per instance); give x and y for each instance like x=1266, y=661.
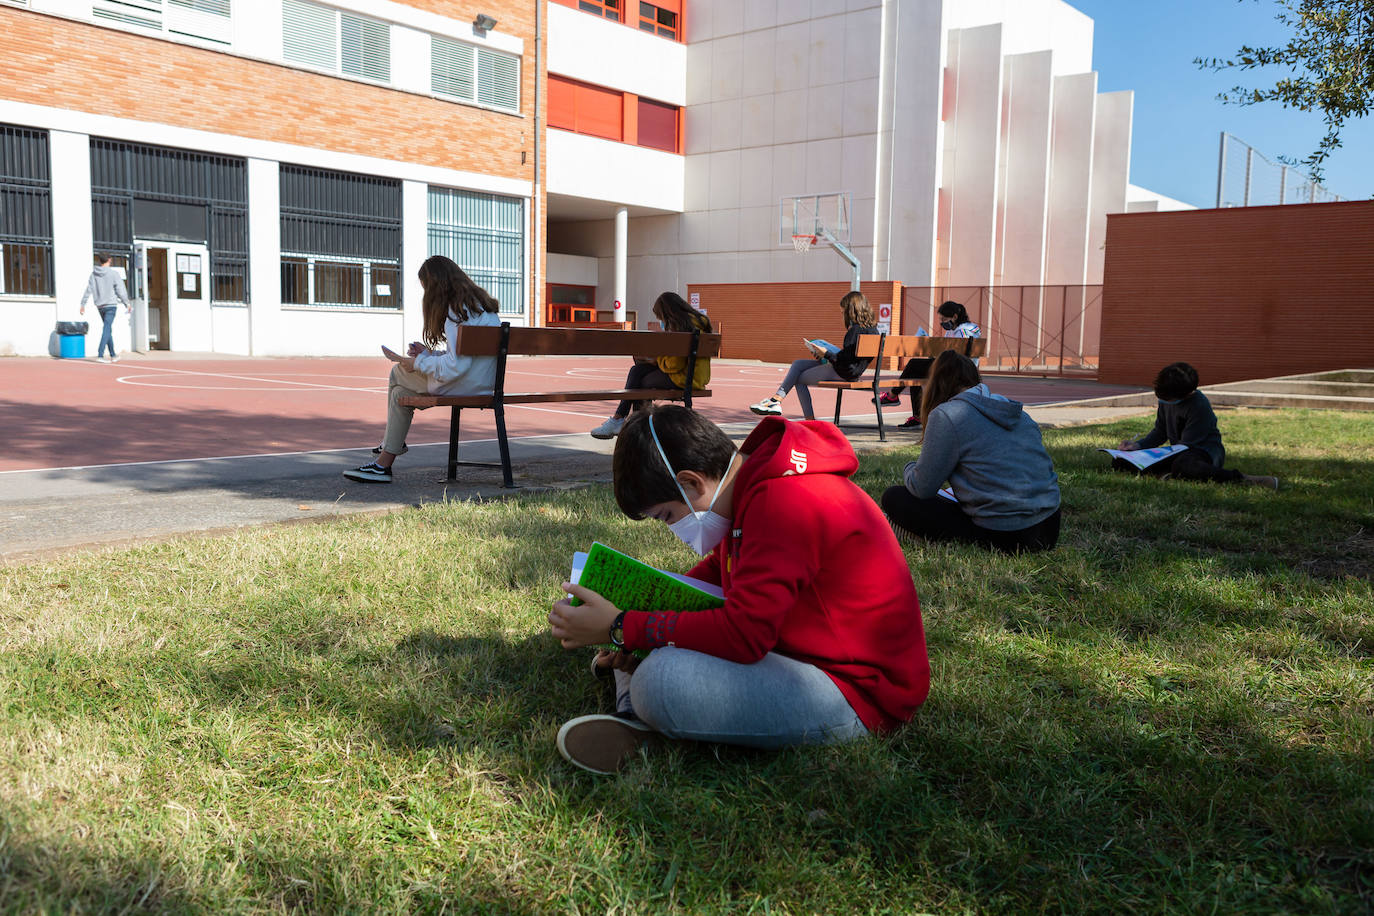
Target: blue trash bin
x=71, y=339
x=72, y=346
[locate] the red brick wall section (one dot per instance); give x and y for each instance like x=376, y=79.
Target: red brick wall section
x=84, y=67
x=767, y=321
x=1240, y=293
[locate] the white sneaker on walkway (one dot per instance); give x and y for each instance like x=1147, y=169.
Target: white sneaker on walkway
x=768, y=407
x=609, y=429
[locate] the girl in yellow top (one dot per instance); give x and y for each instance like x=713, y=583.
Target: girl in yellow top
x=668, y=371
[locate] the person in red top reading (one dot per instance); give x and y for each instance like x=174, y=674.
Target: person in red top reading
x=820, y=639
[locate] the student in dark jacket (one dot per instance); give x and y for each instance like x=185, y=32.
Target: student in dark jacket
x=1185, y=417
x=859, y=319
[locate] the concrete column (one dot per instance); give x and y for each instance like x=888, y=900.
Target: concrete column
x=414, y=251
x=622, y=244
x=72, y=237
x=264, y=258
x=1111, y=172
x=1071, y=169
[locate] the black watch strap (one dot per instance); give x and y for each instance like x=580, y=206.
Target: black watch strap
x=618, y=631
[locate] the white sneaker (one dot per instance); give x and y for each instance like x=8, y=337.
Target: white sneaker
x=768, y=407
x=609, y=429
x=114, y=359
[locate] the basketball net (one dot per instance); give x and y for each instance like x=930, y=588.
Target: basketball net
x=801, y=244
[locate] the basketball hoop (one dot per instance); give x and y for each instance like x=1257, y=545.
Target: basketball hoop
x=801, y=244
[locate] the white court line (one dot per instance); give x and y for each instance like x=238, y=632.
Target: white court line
x=320, y=451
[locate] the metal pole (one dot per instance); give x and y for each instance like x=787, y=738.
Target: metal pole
x=1249, y=162
x=1221, y=172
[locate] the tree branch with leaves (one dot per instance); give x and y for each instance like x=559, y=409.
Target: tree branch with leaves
x=1331, y=58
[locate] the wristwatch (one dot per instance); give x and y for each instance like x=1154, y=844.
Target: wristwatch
x=618, y=631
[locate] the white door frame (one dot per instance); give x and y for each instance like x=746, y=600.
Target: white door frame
x=199, y=278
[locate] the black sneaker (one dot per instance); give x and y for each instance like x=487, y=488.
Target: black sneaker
x=602, y=744
x=370, y=473
x=912, y=422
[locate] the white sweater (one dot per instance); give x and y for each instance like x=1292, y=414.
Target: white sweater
x=450, y=373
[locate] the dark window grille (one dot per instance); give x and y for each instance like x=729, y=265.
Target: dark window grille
x=121, y=172
x=25, y=212
x=340, y=238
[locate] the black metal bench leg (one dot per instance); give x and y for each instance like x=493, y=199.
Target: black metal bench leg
x=509, y=480
x=453, y=420
x=878, y=406
x=839, y=393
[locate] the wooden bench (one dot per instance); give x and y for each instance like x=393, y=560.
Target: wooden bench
x=877, y=346
x=506, y=340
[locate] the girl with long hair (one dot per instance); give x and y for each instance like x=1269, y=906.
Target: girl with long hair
x=451, y=299
x=1005, y=490
x=954, y=322
x=842, y=365
x=674, y=314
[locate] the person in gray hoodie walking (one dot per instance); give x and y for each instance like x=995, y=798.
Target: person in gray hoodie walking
x=991, y=453
x=106, y=286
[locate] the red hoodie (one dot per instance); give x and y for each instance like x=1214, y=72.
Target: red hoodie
x=810, y=570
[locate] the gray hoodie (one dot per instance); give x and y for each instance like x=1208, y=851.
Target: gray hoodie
x=991, y=453
x=107, y=286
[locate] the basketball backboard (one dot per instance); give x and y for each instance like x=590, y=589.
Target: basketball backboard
x=807, y=214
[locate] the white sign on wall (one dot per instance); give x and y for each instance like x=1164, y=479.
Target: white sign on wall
x=885, y=318
x=695, y=300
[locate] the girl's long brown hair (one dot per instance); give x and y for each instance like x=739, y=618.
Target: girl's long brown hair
x=857, y=310
x=448, y=289
x=677, y=315
x=950, y=374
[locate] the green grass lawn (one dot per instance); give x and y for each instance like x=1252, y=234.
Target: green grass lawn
x=1173, y=712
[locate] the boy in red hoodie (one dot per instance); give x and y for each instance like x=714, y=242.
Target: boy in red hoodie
x=820, y=638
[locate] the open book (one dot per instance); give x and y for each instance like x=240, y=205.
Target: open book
x=1142, y=458
x=632, y=585
x=825, y=346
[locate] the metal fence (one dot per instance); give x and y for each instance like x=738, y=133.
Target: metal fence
x=125, y=174
x=1031, y=330
x=1245, y=178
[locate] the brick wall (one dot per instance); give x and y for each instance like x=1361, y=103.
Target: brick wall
x=84, y=67
x=767, y=321
x=1240, y=293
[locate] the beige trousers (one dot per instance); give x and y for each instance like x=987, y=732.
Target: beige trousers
x=403, y=383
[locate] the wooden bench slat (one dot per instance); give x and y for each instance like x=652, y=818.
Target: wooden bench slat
x=425, y=401
x=864, y=383
x=910, y=345
x=476, y=341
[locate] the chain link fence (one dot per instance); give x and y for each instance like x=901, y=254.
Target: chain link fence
x=1245, y=178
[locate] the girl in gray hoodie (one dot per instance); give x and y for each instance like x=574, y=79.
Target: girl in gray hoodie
x=1006, y=493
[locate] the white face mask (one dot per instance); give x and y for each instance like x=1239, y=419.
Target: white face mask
x=701, y=531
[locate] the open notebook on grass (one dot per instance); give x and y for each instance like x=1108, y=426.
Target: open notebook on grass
x=1142, y=458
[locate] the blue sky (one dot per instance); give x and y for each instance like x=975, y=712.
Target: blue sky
x=1148, y=46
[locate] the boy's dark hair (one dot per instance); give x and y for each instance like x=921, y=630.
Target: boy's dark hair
x=1175, y=382
x=691, y=442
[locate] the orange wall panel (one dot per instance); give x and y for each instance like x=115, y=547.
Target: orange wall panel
x=768, y=321
x=1240, y=293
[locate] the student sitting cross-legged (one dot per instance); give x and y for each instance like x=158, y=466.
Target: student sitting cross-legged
x=991, y=453
x=820, y=637
x=1185, y=417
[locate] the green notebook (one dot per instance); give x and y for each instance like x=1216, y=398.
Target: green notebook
x=632, y=585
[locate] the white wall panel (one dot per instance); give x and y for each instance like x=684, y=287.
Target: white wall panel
x=599, y=169
x=264, y=257
x=1111, y=172
x=334, y=332
x=971, y=153
x=230, y=329
x=1071, y=163
x=73, y=251
x=1024, y=187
